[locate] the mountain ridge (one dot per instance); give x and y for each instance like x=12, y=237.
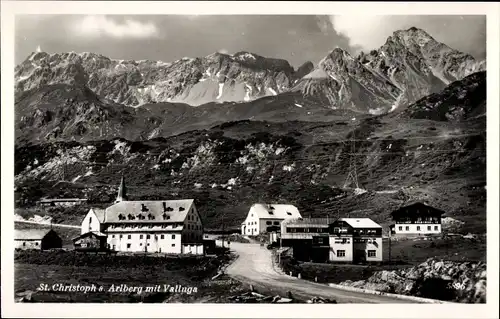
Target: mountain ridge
x=410, y=65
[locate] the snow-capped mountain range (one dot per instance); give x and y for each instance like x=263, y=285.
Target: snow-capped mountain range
x=410, y=65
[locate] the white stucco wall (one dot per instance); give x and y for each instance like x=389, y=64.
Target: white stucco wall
x=192, y=249
x=27, y=244
x=336, y=243
x=90, y=223
x=170, y=243
x=251, y=224
x=413, y=229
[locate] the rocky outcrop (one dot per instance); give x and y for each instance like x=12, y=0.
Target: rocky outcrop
x=418, y=64
x=437, y=279
x=461, y=100
x=341, y=81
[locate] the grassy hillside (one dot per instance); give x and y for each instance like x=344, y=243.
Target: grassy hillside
x=231, y=166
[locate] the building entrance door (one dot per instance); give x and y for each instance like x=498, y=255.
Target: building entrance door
x=359, y=256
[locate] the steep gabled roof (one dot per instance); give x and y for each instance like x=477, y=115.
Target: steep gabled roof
x=360, y=222
x=279, y=211
x=175, y=211
x=91, y=233
x=100, y=213
x=416, y=209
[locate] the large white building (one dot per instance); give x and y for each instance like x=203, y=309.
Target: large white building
x=417, y=219
x=165, y=226
x=264, y=218
x=355, y=240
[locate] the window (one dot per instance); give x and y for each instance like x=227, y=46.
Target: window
x=436, y=228
x=268, y=223
x=400, y=227
x=173, y=236
x=129, y=236
x=129, y=245
x=173, y=245
x=372, y=253
x=140, y=236
x=340, y=253
x=429, y=227
x=181, y=209
x=140, y=244
x=90, y=220
x=276, y=223
x=148, y=244
x=289, y=214
x=112, y=236
x=162, y=236
x=418, y=227
x=407, y=228
x=24, y=243
x=121, y=236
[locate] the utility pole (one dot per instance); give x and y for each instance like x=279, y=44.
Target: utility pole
x=390, y=245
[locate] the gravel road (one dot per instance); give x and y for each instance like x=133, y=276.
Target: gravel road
x=255, y=266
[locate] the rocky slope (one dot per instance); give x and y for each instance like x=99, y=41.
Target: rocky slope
x=409, y=66
x=341, y=81
x=438, y=279
x=73, y=112
x=458, y=101
x=232, y=165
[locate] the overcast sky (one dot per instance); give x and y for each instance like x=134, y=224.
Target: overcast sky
x=295, y=38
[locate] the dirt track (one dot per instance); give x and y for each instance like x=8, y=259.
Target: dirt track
x=254, y=265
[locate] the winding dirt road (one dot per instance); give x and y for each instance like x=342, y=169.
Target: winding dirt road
x=255, y=266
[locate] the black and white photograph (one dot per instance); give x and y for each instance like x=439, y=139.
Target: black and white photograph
x=250, y=158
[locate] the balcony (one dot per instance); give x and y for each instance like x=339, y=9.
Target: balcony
x=302, y=235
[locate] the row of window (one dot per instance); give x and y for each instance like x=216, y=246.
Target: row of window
x=429, y=228
x=306, y=230
x=24, y=243
x=130, y=246
x=173, y=225
x=370, y=253
x=276, y=223
x=193, y=227
x=417, y=222
x=142, y=236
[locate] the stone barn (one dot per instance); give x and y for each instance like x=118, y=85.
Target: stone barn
x=41, y=239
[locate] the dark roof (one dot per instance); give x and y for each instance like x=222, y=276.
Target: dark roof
x=94, y=233
x=416, y=209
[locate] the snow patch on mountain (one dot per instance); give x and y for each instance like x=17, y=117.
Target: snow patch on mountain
x=221, y=88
